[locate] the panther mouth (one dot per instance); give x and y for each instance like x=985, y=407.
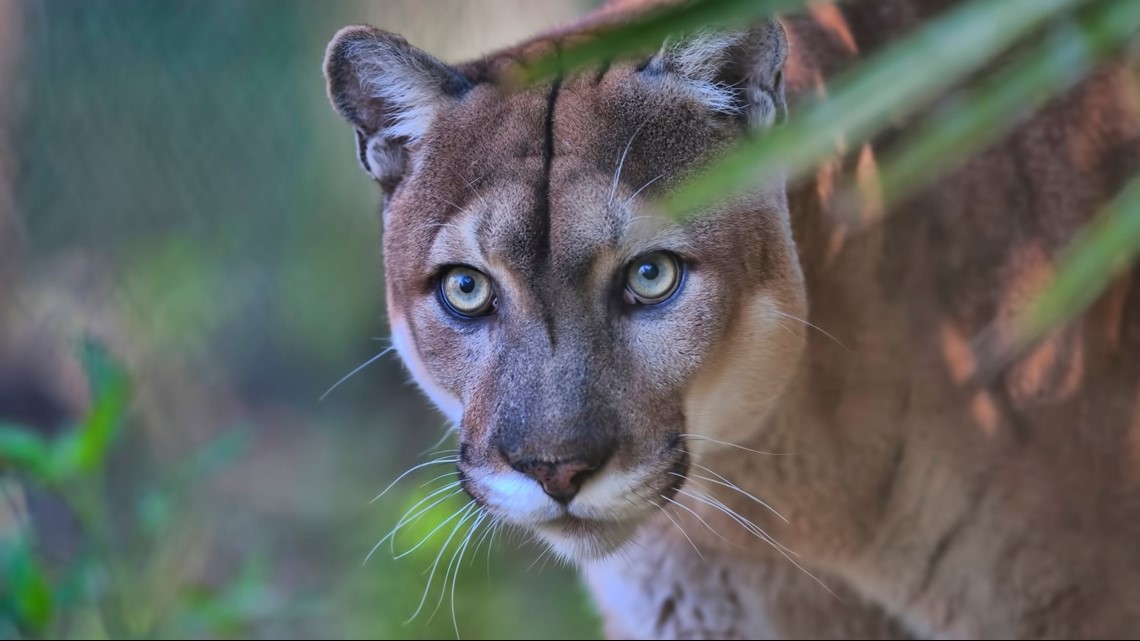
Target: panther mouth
x=602, y=517
x=585, y=537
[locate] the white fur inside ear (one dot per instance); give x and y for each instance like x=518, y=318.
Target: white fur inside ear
x=762, y=109
x=699, y=60
x=392, y=75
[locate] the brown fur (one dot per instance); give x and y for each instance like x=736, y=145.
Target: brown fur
x=928, y=505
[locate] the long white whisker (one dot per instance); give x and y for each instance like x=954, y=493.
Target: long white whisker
x=759, y=533
x=698, y=437
x=408, y=519
x=545, y=551
x=642, y=188
x=455, y=578
x=729, y=484
x=429, y=535
x=815, y=327
x=790, y=332
x=679, y=528
x=479, y=542
x=698, y=517
x=438, y=461
x=349, y=375
x=621, y=163
x=732, y=514
x=496, y=530
x=451, y=564
x=468, y=509
x=446, y=435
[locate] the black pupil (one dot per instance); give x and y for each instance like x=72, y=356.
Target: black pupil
x=648, y=271
x=466, y=284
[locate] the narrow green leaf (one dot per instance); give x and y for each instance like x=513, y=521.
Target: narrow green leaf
x=890, y=84
x=981, y=114
x=1103, y=250
x=647, y=33
x=83, y=450
x=26, y=590
x=24, y=451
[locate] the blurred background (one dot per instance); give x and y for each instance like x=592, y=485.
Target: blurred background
x=176, y=192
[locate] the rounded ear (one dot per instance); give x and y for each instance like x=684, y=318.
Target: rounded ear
x=389, y=91
x=739, y=72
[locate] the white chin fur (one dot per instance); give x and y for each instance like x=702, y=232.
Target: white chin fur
x=606, y=518
x=603, y=540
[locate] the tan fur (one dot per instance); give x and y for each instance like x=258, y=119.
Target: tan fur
x=927, y=505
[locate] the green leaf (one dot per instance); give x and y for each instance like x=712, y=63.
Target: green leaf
x=981, y=114
x=648, y=32
x=26, y=592
x=888, y=85
x=83, y=451
x=24, y=451
x=1104, y=249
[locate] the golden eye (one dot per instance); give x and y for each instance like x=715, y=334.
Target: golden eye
x=467, y=292
x=652, y=278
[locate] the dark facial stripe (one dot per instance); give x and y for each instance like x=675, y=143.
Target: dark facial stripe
x=542, y=197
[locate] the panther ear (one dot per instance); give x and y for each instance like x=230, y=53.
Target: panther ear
x=738, y=72
x=389, y=91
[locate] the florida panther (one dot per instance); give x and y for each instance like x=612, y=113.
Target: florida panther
x=760, y=422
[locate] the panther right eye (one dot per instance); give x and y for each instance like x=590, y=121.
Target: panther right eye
x=467, y=292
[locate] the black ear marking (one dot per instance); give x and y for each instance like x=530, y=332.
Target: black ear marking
x=362, y=151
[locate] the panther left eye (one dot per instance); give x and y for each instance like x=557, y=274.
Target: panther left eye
x=652, y=278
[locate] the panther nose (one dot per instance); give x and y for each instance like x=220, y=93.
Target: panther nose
x=561, y=480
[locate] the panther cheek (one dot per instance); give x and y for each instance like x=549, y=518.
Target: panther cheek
x=405, y=346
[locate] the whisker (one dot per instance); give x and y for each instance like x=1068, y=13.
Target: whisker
x=435, y=564
x=436, y=478
x=698, y=517
x=815, y=327
x=759, y=533
x=458, y=554
x=621, y=163
x=430, y=534
x=679, y=528
x=479, y=542
x=404, y=520
x=735, y=516
x=698, y=437
x=496, y=530
x=446, y=434
x=790, y=332
x=438, y=461
x=642, y=188
x=349, y=375
x=408, y=517
x=729, y=484
x=545, y=551
x=455, y=578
